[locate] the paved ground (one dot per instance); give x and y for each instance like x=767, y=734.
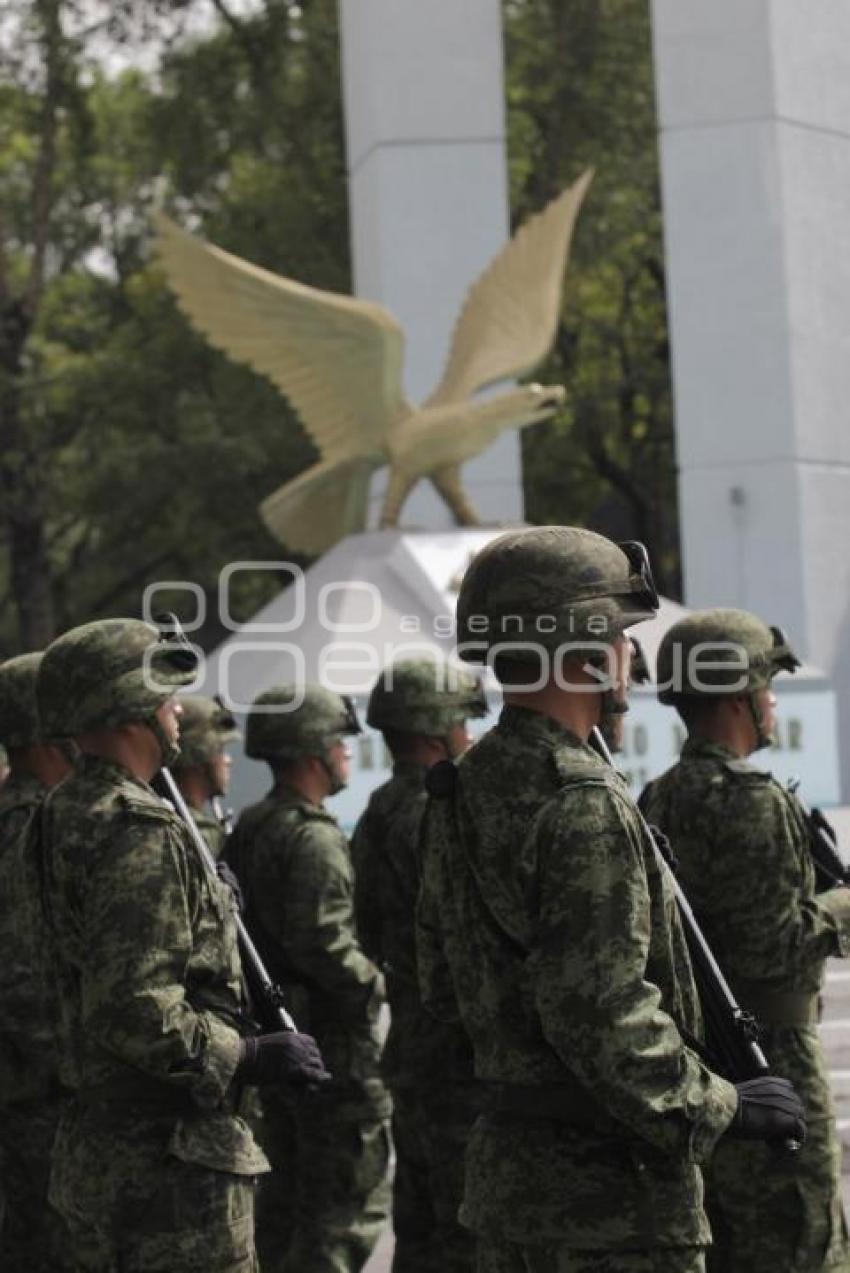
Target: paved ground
x=836, y=1038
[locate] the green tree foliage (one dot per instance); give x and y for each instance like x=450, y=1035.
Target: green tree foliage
x=130, y=451
x=580, y=94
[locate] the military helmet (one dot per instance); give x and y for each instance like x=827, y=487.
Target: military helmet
x=19, y=723
x=289, y=721
x=424, y=696
x=547, y=586
x=715, y=652
x=206, y=726
x=108, y=673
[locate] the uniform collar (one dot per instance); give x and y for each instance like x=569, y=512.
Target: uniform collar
x=707, y=749
x=535, y=725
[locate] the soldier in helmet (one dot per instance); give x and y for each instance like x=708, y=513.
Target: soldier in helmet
x=326, y=1204
x=32, y=1236
x=546, y=914
x=422, y=707
x=152, y=1170
x=202, y=770
x=741, y=842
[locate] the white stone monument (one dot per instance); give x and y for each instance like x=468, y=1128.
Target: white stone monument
x=425, y=130
x=754, y=107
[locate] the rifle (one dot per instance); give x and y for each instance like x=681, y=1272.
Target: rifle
x=266, y=996
x=733, y=1033
x=830, y=871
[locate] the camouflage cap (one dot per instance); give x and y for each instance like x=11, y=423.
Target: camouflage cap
x=206, y=726
x=19, y=723
x=424, y=696
x=550, y=585
x=289, y=721
x=107, y=673
x=716, y=652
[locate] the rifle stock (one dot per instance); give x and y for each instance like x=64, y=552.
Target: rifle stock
x=267, y=996
x=830, y=871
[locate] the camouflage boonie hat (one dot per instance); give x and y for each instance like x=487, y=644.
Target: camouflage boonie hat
x=108, y=673
x=288, y=721
x=547, y=586
x=424, y=696
x=206, y=726
x=716, y=652
x=19, y=723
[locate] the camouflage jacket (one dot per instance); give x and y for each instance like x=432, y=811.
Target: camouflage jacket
x=544, y=905
x=740, y=839
x=146, y=963
x=27, y=1021
x=294, y=866
x=420, y=1050
x=211, y=829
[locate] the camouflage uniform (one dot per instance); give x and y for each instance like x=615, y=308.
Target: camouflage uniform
x=545, y=913
x=152, y=1171
x=32, y=1235
x=427, y=1064
x=206, y=728
x=741, y=843
x=324, y=1207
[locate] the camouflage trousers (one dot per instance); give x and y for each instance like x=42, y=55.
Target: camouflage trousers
x=776, y=1213
x=32, y=1235
x=430, y=1131
x=130, y=1207
x=495, y=1256
x=327, y=1200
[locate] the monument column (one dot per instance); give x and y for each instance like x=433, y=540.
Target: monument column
x=424, y=105
x=754, y=105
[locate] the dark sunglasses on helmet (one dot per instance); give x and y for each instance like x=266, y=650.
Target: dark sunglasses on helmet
x=781, y=655
x=176, y=649
x=641, y=582
x=351, y=724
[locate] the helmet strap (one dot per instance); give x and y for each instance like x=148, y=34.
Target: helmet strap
x=170, y=750
x=336, y=782
x=763, y=738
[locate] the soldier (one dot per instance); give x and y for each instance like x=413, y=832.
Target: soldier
x=547, y=914
x=329, y=1198
x=421, y=706
x=202, y=770
x=152, y=1171
x=741, y=842
x=33, y=1235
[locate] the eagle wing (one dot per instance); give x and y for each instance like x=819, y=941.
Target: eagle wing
x=337, y=359
x=510, y=316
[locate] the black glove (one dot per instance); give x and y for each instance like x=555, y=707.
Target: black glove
x=285, y=1057
x=228, y=876
x=769, y=1109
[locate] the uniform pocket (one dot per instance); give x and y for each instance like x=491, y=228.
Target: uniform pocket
x=219, y=1141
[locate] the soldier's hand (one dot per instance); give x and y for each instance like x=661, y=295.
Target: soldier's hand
x=769, y=1109
x=285, y=1057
